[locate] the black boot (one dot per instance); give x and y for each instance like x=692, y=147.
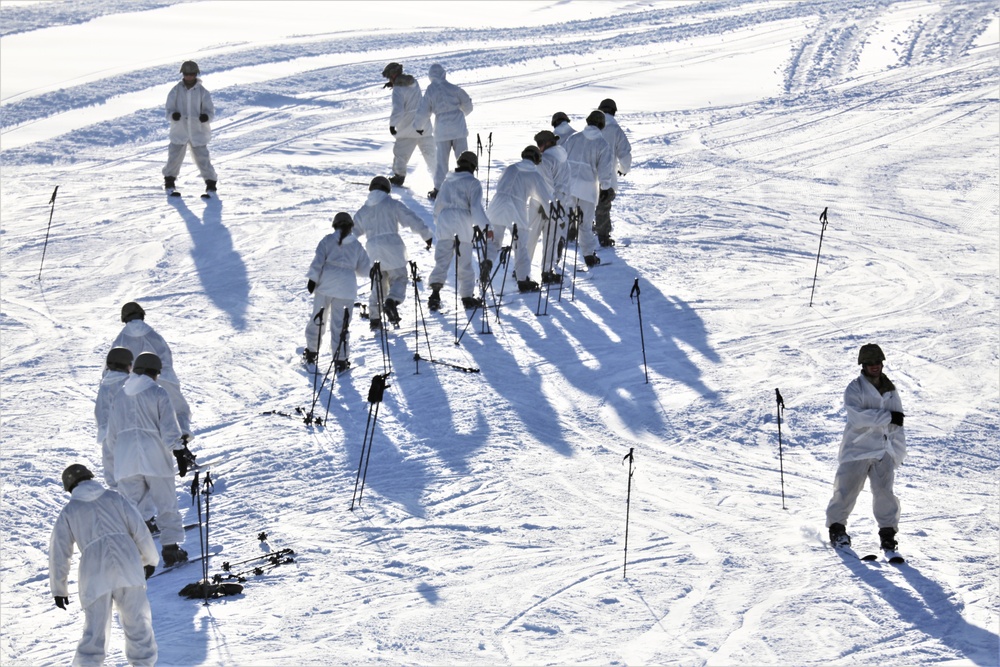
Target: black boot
x=391, y=311
x=397, y=180
x=434, y=300
x=528, y=285
x=888, y=539
x=169, y=183
x=173, y=554
x=210, y=186
x=839, y=536
x=592, y=260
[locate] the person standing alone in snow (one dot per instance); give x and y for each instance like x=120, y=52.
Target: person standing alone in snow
x=117, y=555
x=450, y=105
x=333, y=281
x=190, y=113
x=406, y=98
x=873, y=446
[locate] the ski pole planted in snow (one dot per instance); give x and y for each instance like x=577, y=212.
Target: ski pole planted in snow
x=52, y=211
x=628, y=505
x=781, y=462
x=642, y=338
x=822, y=219
x=375, y=394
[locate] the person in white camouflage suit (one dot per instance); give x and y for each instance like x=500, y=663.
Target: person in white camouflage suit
x=406, y=98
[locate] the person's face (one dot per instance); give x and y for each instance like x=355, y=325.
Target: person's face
x=190, y=79
x=872, y=370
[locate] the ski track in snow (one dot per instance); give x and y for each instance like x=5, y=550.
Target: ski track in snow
x=491, y=529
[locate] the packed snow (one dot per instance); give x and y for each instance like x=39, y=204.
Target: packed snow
x=492, y=527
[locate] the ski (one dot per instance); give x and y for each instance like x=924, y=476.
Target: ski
x=177, y=566
x=198, y=467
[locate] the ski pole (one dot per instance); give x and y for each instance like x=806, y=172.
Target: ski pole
x=418, y=316
x=642, y=337
x=822, y=219
x=52, y=211
x=375, y=394
x=341, y=347
x=378, y=290
x=576, y=248
x=781, y=461
x=458, y=254
x=489, y=159
x=628, y=505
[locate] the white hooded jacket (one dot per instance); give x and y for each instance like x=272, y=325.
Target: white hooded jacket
x=406, y=98
x=191, y=103
x=554, y=168
x=869, y=433
x=111, y=384
x=449, y=104
x=591, y=164
x=336, y=266
x=621, y=148
x=519, y=186
x=378, y=220
x=139, y=337
x=113, y=539
x=142, y=432
x=459, y=207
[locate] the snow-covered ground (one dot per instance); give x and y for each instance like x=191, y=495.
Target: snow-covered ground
x=492, y=527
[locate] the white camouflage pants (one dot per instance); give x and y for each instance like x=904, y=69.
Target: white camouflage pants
x=175, y=158
x=137, y=622
x=456, y=146
x=333, y=313
x=850, y=480
x=162, y=493
x=402, y=150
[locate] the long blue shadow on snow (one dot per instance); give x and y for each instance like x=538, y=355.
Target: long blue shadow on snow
x=604, y=327
x=221, y=270
x=931, y=611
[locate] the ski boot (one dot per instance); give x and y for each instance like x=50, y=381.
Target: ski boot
x=551, y=278
x=209, y=189
x=432, y=195
x=397, y=180
x=170, y=185
x=839, y=536
x=485, y=270
x=173, y=554
x=471, y=302
x=887, y=536
x=527, y=285
x=375, y=324
x=606, y=241
x=391, y=311
x=151, y=525
x=592, y=260
x=308, y=357
x=341, y=365
x=434, y=300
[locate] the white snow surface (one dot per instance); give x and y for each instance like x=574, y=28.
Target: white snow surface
x=493, y=522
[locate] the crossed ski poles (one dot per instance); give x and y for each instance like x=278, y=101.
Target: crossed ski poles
x=552, y=226
x=378, y=288
x=419, y=315
x=310, y=417
x=267, y=561
x=375, y=394
x=196, y=493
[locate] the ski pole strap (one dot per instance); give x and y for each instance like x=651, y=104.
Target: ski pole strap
x=634, y=294
x=781, y=401
x=318, y=317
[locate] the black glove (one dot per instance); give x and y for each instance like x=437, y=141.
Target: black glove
x=430, y=242
x=392, y=130
x=149, y=569
x=311, y=286
x=61, y=602
x=185, y=459
x=897, y=418
x=420, y=132
x=203, y=117
x=176, y=115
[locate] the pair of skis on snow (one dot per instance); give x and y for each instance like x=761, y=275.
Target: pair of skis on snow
x=893, y=557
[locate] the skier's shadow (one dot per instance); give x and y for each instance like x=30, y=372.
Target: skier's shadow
x=221, y=270
x=934, y=613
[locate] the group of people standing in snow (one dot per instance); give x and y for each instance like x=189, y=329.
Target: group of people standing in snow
x=143, y=429
x=560, y=190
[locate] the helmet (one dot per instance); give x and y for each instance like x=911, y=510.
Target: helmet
x=596, y=118
x=608, y=106
x=343, y=220
x=469, y=160
x=392, y=69
x=546, y=137
x=870, y=353
x=75, y=474
x=190, y=67
x=532, y=153
x=559, y=117
x=380, y=183
x=119, y=358
x=147, y=361
x=132, y=311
